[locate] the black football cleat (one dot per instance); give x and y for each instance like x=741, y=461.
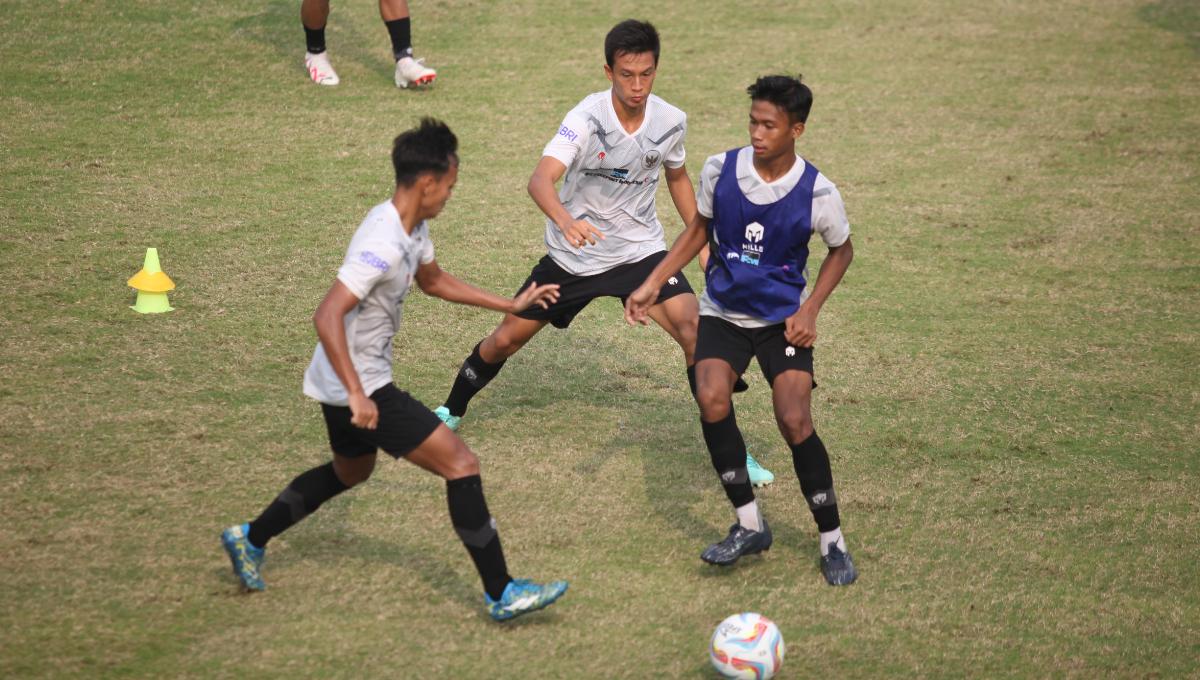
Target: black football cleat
x=740, y=541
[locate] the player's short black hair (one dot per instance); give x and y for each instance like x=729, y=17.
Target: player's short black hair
x=631, y=37
x=786, y=92
x=431, y=147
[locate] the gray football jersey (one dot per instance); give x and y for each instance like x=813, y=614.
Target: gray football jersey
x=379, y=268
x=611, y=180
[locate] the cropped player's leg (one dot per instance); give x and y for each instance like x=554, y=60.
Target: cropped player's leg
x=409, y=71
x=678, y=313
x=679, y=316
x=446, y=455
x=313, y=16
x=727, y=451
x=484, y=363
x=792, y=396
x=247, y=542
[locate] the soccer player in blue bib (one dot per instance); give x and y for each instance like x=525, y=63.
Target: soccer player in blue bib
x=758, y=206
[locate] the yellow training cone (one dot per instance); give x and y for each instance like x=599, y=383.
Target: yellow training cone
x=152, y=284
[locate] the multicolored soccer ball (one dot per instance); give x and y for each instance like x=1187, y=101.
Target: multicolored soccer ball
x=747, y=646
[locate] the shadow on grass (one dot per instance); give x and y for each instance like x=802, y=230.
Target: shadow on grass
x=1176, y=16
x=674, y=477
x=440, y=575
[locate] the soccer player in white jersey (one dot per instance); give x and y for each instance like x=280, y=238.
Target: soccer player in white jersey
x=758, y=207
x=602, y=227
x=351, y=376
x=410, y=72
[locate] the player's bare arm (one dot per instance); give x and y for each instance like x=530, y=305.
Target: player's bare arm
x=549, y=170
x=437, y=282
x=682, y=251
x=683, y=195
x=331, y=329
x=801, y=327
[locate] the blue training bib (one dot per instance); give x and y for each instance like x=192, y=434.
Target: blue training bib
x=759, y=252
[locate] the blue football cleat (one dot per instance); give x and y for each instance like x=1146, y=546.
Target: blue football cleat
x=759, y=475
x=246, y=559
x=522, y=596
x=838, y=568
x=444, y=414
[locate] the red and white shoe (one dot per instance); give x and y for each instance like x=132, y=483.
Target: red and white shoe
x=319, y=68
x=413, y=73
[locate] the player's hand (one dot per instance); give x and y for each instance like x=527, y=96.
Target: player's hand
x=639, y=303
x=363, y=412
x=580, y=233
x=544, y=296
x=800, y=329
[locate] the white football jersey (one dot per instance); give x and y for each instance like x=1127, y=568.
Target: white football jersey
x=379, y=268
x=611, y=179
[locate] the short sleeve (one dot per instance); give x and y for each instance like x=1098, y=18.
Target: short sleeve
x=426, y=245
x=677, y=154
x=366, y=265
x=709, y=175
x=829, y=216
x=569, y=140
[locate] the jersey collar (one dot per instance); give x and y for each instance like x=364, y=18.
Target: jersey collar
x=745, y=169
x=617, y=121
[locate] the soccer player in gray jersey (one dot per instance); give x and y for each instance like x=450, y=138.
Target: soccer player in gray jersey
x=351, y=376
x=602, y=229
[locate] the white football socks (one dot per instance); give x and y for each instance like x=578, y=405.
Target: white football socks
x=828, y=538
x=748, y=516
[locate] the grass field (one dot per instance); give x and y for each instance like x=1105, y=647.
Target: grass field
x=1009, y=384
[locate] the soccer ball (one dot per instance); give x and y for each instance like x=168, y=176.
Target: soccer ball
x=748, y=646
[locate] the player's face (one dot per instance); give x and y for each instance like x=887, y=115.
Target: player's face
x=438, y=191
x=772, y=133
x=632, y=77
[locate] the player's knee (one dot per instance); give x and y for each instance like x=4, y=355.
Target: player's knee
x=354, y=471
x=796, y=425
x=714, y=402
x=505, y=345
x=687, y=334
x=463, y=463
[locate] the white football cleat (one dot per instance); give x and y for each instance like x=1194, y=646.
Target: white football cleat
x=413, y=73
x=319, y=68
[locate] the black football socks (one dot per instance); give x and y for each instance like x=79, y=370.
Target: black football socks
x=315, y=38
x=473, y=376
x=477, y=530
x=400, y=31
x=300, y=499
x=727, y=450
x=811, y=461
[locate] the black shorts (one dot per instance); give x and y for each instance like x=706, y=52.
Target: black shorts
x=720, y=339
x=403, y=424
x=575, y=292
